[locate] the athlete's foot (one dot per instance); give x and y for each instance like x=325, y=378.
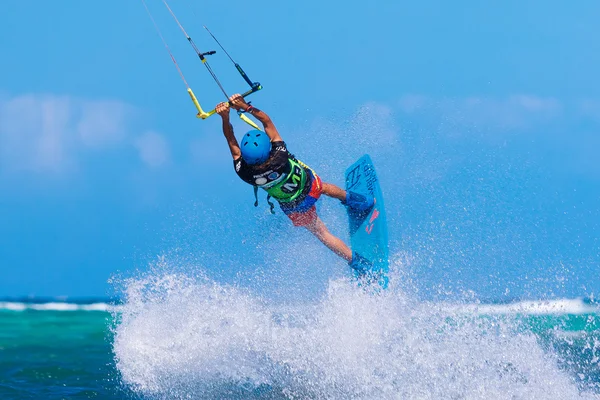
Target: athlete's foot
x=364, y=272
x=360, y=264
x=359, y=202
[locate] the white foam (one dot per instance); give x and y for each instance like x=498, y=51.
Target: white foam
x=55, y=306
x=179, y=338
x=98, y=307
x=12, y=306
x=539, y=307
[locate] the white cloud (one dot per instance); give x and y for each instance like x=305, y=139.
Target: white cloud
x=536, y=104
x=48, y=133
x=507, y=113
x=566, y=129
x=35, y=132
x=153, y=149
x=103, y=123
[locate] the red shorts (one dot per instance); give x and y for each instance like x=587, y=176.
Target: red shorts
x=305, y=213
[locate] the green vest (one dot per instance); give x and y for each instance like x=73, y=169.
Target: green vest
x=292, y=184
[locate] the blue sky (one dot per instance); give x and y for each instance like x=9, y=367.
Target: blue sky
x=483, y=120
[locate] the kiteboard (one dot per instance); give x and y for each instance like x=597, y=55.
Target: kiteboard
x=368, y=230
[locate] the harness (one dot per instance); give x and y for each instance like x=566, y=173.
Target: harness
x=290, y=188
x=271, y=204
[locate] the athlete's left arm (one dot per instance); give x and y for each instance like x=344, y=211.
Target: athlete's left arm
x=234, y=147
x=238, y=102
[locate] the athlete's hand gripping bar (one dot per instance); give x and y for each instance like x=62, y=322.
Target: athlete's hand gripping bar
x=203, y=114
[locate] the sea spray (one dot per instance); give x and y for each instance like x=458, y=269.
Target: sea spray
x=184, y=337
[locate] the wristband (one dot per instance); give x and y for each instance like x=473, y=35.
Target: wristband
x=250, y=108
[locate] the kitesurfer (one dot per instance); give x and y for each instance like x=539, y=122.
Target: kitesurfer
x=262, y=160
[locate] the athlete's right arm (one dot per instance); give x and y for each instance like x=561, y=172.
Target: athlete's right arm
x=238, y=102
x=234, y=147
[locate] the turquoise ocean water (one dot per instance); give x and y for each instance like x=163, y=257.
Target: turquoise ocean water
x=177, y=338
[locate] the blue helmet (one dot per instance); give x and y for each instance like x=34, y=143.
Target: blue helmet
x=256, y=147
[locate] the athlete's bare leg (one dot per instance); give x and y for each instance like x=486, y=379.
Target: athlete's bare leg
x=334, y=243
x=334, y=191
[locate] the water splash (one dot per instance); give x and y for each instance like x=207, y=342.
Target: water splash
x=182, y=337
